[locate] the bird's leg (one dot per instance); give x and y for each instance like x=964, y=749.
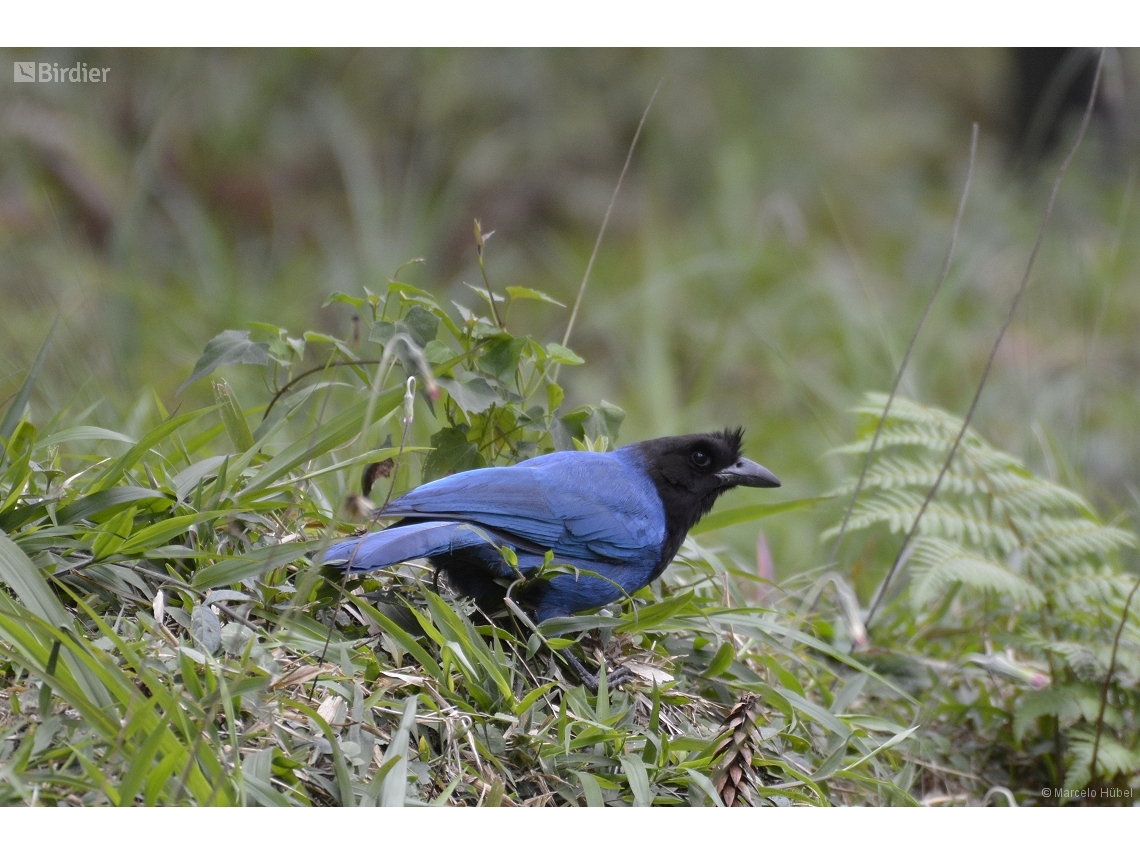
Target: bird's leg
x=614, y=678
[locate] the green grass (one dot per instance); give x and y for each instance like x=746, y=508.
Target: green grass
x=171, y=642
x=164, y=635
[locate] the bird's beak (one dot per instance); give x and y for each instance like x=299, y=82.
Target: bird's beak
x=747, y=473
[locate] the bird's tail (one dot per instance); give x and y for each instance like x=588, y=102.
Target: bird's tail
x=407, y=542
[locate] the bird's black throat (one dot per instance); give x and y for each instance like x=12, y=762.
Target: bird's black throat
x=685, y=470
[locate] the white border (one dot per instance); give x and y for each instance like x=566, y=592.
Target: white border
x=334, y=23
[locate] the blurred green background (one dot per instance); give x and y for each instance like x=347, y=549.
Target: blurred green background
x=783, y=221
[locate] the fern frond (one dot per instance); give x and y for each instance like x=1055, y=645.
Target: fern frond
x=1006, y=558
x=1112, y=758
x=1066, y=542
x=897, y=509
x=1069, y=702
x=937, y=564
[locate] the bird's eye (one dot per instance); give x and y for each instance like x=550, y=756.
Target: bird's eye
x=700, y=458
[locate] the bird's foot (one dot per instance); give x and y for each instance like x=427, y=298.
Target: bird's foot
x=617, y=677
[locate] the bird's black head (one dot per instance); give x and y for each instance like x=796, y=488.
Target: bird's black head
x=691, y=471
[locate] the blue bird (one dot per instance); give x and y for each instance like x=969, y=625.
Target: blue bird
x=620, y=516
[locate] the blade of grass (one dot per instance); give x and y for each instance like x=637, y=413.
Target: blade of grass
x=881, y=593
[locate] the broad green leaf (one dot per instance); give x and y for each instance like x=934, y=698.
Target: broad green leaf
x=30, y=588
x=554, y=396
x=112, y=534
x=604, y=421
x=721, y=662
x=402, y=637
x=652, y=616
x=206, y=628
x=451, y=452
x=518, y=293
x=702, y=783
x=563, y=355
x=473, y=395
x=101, y=501
x=164, y=531
x=231, y=347
x=890, y=743
x=242, y=567
x=591, y=789
x=638, y=779
x=501, y=360
x=26, y=582
x=186, y=481
x=85, y=433
x=420, y=330
x=338, y=297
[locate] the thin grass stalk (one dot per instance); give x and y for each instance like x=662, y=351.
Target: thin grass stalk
x=910, y=348
x=880, y=594
x=1108, y=680
x=606, y=220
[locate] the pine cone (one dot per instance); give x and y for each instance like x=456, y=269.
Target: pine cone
x=740, y=736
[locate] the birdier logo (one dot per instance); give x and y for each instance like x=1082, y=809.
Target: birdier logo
x=50, y=72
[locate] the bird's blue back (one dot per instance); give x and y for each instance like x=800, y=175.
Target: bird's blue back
x=586, y=506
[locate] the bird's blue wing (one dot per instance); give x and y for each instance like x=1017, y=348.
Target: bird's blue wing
x=585, y=506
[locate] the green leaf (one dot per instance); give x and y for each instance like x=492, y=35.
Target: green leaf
x=473, y=395
x=554, y=397
x=336, y=432
x=502, y=359
x=1069, y=702
x=748, y=513
x=140, y=449
x=19, y=574
x=237, y=428
x=15, y=412
x=638, y=779
x=451, y=452
x=591, y=789
x=231, y=347
x=90, y=506
x=23, y=577
x=721, y=662
x=394, y=791
x=422, y=324
x=113, y=533
x=186, y=481
x=563, y=355
x=340, y=297
x=890, y=743
x=517, y=293
x=604, y=421
x=418, y=324
x=654, y=615
x=242, y=567
x=937, y=564
x=206, y=628
x=164, y=531
x=401, y=636
x=83, y=433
